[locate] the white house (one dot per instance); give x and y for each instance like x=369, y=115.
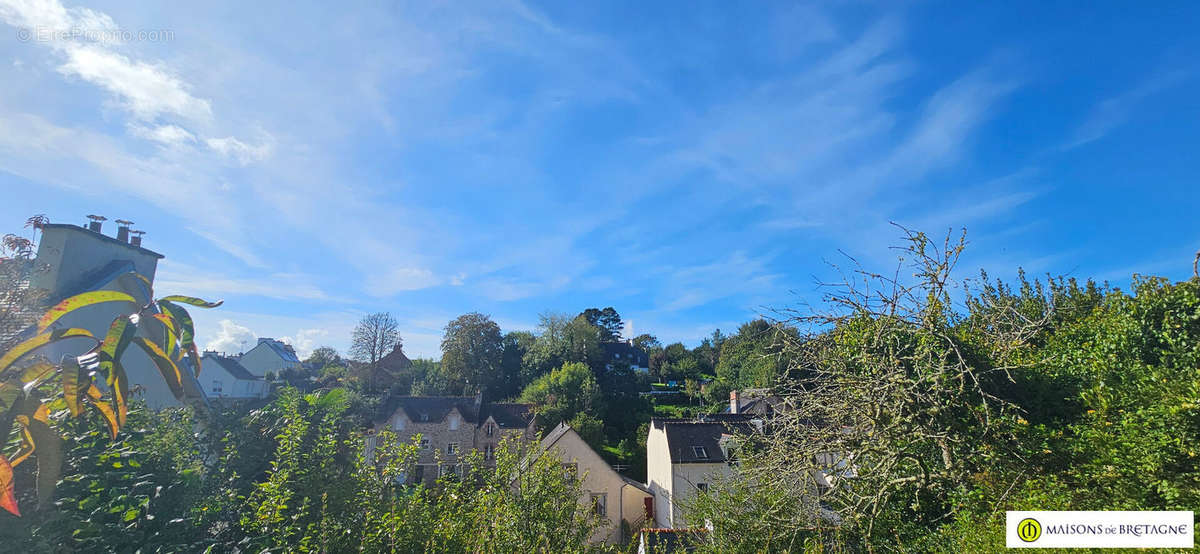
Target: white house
x=613, y=497
x=83, y=259
x=269, y=356
x=683, y=457
x=225, y=378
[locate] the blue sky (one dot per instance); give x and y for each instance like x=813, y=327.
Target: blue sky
x=690, y=164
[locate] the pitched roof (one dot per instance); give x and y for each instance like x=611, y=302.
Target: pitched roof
x=625, y=352
x=685, y=437
x=230, y=365
x=509, y=415
x=284, y=351
x=433, y=408
x=395, y=360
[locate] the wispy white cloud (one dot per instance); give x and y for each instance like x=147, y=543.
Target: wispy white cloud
x=1117, y=110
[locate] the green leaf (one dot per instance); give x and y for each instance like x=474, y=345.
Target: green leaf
x=167, y=367
x=72, y=382
x=192, y=301
x=27, y=347
x=120, y=333
x=79, y=301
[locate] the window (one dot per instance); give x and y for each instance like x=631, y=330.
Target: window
x=600, y=504
x=398, y=425
x=702, y=486
x=419, y=474
x=700, y=452
x=489, y=452
x=216, y=387
x=453, y=422
x=571, y=470
x=424, y=444
x=490, y=429
x=451, y=469
x=424, y=417
x=452, y=448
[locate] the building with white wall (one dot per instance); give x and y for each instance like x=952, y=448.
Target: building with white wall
x=269, y=356
x=225, y=378
x=683, y=457
x=82, y=259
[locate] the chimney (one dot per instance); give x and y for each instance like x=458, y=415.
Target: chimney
x=136, y=239
x=478, y=400
x=97, y=220
x=733, y=401
x=123, y=229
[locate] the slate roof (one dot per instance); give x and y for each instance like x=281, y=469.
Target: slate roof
x=509, y=415
x=435, y=407
x=625, y=352
x=684, y=435
x=230, y=365
x=395, y=360
x=284, y=351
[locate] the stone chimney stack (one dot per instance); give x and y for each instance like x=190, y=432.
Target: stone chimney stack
x=96, y=222
x=733, y=401
x=123, y=229
x=136, y=239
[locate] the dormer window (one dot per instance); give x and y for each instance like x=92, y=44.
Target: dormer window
x=453, y=422
x=700, y=452
x=424, y=417
x=490, y=429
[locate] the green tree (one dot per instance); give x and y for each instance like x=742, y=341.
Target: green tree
x=472, y=352
x=607, y=320
x=563, y=393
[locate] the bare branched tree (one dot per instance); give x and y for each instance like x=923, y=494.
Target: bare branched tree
x=896, y=396
x=374, y=337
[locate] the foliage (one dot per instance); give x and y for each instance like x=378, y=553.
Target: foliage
x=472, y=352
x=563, y=393
x=35, y=394
x=607, y=320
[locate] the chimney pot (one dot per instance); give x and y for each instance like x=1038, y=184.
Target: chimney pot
x=733, y=402
x=123, y=229
x=96, y=222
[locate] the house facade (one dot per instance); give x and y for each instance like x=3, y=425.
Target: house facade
x=452, y=426
x=625, y=353
x=613, y=497
x=83, y=259
x=269, y=356
x=683, y=457
x=225, y=378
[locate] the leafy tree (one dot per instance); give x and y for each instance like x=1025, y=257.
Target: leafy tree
x=374, y=336
x=608, y=320
x=515, y=345
x=472, y=352
x=562, y=339
x=324, y=356
x=647, y=342
x=563, y=393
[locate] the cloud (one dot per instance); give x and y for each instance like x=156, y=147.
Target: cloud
x=147, y=91
x=235, y=149
x=1115, y=111
x=232, y=338
x=401, y=279
x=167, y=135
x=184, y=279
x=306, y=340
x=737, y=274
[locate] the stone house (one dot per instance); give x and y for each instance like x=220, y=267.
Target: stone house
x=452, y=426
